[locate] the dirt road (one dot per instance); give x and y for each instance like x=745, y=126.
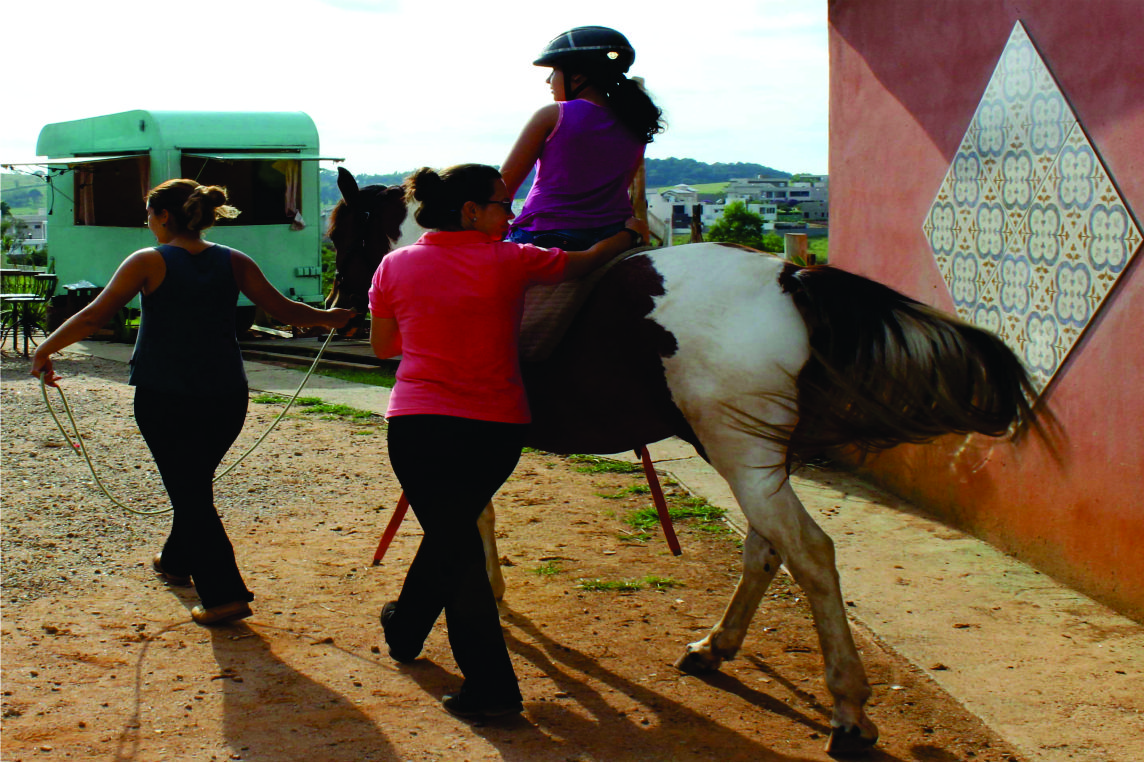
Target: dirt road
x=102, y=661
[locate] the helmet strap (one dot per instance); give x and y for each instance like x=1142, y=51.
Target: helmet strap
x=572, y=94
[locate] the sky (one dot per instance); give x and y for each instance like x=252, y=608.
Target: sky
x=397, y=84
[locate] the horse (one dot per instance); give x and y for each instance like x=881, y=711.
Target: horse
x=378, y=212
x=762, y=366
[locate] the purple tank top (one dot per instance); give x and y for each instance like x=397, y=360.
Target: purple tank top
x=583, y=172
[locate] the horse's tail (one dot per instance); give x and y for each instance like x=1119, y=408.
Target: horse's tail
x=886, y=369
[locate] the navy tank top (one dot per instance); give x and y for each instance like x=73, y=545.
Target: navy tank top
x=186, y=340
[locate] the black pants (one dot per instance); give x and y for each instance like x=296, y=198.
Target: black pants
x=188, y=436
x=450, y=468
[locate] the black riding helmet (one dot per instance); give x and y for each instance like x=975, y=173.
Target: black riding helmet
x=589, y=50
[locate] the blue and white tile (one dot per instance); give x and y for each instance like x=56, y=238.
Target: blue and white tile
x=1028, y=229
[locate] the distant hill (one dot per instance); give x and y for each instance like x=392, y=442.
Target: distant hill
x=659, y=173
x=24, y=194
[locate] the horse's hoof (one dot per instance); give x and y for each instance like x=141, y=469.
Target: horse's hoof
x=846, y=743
x=696, y=662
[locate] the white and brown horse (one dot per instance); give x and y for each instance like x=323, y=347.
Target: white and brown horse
x=761, y=365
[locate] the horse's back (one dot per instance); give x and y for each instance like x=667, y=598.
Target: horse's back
x=665, y=336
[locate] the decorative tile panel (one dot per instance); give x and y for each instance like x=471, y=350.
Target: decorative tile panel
x=1027, y=228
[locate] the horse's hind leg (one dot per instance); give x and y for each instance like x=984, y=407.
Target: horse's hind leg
x=760, y=563
x=486, y=525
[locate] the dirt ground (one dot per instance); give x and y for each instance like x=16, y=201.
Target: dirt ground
x=101, y=660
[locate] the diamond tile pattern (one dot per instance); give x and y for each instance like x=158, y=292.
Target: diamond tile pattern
x=1027, y=228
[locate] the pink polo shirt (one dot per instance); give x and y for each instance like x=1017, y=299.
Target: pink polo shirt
x=458, y=297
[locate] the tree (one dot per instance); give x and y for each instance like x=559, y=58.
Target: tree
x=12, y=230
x=738, y=225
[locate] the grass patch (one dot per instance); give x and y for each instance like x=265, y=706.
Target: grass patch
x=716, y=529
x=653, y=581
x=692, y=508
x=548, y=569
x=662, y=584
x=376, y=378
x=627, y=492
x=598, y=465
x=818, y=247
x=316, y=405
x=640, y=537
x=608, y=585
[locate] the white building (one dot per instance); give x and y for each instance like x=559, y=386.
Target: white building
x=810, y=192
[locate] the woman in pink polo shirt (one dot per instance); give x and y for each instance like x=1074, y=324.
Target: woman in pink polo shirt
x=451, y=305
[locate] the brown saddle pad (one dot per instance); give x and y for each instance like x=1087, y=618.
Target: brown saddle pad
x=550, y=309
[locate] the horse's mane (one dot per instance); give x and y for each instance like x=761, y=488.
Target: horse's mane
x=337, y=217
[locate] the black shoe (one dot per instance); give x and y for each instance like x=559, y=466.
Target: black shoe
x=464, y=706
x=179, y=580
x=223, y=613
x=387, y=614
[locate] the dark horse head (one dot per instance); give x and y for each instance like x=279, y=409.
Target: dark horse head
x=363, y=228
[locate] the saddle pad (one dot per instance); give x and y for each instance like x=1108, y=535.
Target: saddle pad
x=550, y=309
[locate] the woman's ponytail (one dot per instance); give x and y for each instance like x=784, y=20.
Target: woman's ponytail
x=633, y=107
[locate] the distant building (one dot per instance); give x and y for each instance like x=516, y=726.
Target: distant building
x=808, y=191
x=763, y=196
x=35, y=231
x=713, y=212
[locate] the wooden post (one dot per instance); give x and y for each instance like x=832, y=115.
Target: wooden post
x=697, y=224
x=795, y=248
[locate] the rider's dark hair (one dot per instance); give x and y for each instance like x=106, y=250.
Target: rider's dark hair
x=625, y=97
x=442, y=194
x=192, y=207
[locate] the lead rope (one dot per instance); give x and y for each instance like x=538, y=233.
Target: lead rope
x=81, y=449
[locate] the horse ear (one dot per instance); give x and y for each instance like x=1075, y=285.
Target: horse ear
x=347, y=185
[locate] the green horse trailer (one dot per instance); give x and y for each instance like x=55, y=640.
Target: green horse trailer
x=99, y=169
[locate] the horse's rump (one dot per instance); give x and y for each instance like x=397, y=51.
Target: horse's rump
x=886, y=369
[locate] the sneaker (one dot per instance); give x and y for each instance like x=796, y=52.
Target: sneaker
x=464, y=706
x=179, y=580
x=400, y=656
x=224, y=613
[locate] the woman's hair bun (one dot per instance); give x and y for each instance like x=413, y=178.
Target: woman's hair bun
x=424, y=184
x=443, y=194
x=205, y=205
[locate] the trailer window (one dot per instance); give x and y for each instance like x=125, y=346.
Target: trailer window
x=266, y=192
x=111, y=193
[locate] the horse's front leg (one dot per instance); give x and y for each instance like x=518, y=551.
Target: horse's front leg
x=760, y=563
x=485, y=524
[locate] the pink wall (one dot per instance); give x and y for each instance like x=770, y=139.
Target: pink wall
x=906, y=77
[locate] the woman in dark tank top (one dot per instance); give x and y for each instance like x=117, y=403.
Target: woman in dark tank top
x=187, y=369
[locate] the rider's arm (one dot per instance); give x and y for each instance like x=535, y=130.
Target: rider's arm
x=527, y=149
x=582, y=263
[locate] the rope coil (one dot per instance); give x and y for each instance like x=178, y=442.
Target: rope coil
x=81, y=449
